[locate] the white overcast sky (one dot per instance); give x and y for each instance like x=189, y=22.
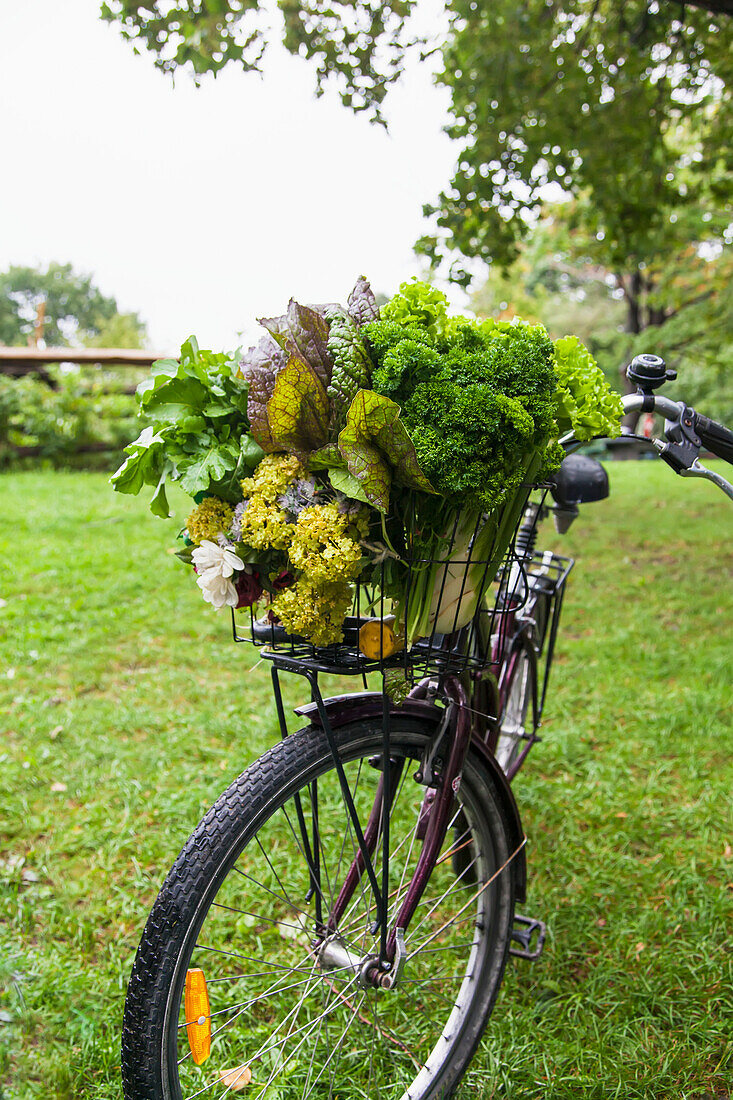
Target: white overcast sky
x=203, y=208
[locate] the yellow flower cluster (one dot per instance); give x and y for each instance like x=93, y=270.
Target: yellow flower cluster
x=319, y=544
x=321, y=548
x=264, y=524
x=272, y=477
x=315, y=612
x=209, y=518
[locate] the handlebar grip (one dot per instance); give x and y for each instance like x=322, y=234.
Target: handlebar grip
x=716, y=437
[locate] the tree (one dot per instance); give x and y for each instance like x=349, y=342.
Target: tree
x=623, y=106
x=687, y=317
x=596, y=98
x=359, y=46
x=552, y=282
x=63, y=307
x=59, y=411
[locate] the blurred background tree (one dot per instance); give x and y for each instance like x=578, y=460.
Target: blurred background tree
x=622, y=108
x=357, y=46
x=685, y=305
x=63, y=411
x=63, y=307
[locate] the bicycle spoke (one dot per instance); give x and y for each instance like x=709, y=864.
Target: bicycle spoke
x=303, y=1024
x=231, y=1020
x=267, y=1046
x=451, y=889
x=335, y=1049
x=354, y=791
x=277, y=877
x=314, y=1049
x=259, y=916
x=260, y=997
x=399, y=898
x=316, y=885
x=279, y=897
x=249, y=958
x=310, y=1025
x=478, y=893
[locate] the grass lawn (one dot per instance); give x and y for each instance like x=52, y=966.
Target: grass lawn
x=125, y=709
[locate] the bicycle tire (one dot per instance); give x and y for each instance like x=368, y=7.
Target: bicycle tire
x=519, y=693
x=171, y=939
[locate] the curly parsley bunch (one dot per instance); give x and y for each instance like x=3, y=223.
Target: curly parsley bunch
x=476, y=397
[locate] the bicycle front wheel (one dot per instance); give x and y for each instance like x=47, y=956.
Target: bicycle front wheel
x=287, y=1017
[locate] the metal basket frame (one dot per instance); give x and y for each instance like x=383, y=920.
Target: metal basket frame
x=478, y=645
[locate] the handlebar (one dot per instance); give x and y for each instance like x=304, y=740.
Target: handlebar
x=685, y=431
x=716, y=437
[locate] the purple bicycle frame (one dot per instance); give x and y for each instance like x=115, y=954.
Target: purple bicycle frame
x=460, y=731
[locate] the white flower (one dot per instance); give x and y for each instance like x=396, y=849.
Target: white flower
x=218, y=591
x=215, y=565
x=215, y=560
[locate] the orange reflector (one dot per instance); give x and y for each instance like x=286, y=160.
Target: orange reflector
x=198, y=1019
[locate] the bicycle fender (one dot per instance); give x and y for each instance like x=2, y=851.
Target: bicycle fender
x=344, y=709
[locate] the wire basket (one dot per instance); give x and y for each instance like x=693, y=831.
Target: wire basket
x=486, y=593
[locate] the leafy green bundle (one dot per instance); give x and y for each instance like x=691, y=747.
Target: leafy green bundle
x=310, y=395
x=198, y=433
x=395, y=446
x=484, y=403
x=476, y=398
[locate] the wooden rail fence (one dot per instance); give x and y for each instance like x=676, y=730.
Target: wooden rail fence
x=18, y=362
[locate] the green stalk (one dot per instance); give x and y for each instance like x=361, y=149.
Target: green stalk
x=465, y=586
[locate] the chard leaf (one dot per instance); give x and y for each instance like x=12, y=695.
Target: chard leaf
x=362, y=303
x=327, y=458
x=378, y=448
x=303, y=332
x=190, y=350
x=165, y=368
x=182, y=417
x=251, y=452
x=245, y=456
x=159, y=501
x=346, y=483
x=215, y=409
x=166, y=391
x=298, y=409
x=260, y=367
x=352, y=367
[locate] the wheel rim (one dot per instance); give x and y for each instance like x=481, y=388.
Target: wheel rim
x=303, y=1029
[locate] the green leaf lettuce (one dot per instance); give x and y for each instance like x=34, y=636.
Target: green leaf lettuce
x=587, y=405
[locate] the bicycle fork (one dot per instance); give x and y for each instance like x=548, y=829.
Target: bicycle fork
x=444, y=780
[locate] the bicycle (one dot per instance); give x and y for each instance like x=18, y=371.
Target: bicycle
x=340, y=920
